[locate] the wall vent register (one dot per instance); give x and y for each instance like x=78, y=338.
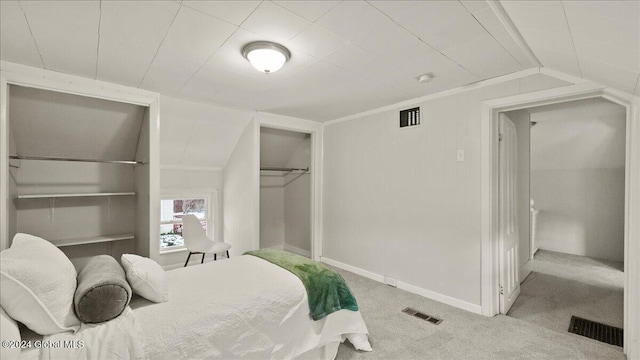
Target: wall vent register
x=410, y=117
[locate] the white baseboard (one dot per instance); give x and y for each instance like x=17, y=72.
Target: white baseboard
x=445, y=299
x=291, y=249
x=460, y=304
x=353, y=269
x=297, y=250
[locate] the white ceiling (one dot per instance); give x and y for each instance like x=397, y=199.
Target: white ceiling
x=597, y=40
x=585, y=134
x=347, y=56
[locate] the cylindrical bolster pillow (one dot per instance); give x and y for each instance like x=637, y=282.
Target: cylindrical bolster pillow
x=103, y=291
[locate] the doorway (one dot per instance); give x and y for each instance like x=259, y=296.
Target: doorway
x=489, y=195
x=285, y=190
x=570, y=211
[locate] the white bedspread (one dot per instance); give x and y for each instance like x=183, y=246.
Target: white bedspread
x=119, y=338
x=242, y=307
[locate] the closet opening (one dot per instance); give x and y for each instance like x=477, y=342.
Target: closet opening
x=285, y=190
x=78, y=172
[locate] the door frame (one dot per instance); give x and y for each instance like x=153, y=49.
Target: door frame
x=489, y=186
x=315, y=129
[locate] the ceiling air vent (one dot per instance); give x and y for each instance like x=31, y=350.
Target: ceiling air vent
x=410, y=117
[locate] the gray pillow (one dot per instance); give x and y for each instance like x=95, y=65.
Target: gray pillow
x=103, y=291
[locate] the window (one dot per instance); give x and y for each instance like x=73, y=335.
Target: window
x=173, y=207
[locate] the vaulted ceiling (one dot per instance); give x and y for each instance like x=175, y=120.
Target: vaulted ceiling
x=347, y=56
x=583, y=134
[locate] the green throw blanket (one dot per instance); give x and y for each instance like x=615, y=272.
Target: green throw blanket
x=326, y=289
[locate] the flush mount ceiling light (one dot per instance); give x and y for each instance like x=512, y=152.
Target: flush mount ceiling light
x=266, y=56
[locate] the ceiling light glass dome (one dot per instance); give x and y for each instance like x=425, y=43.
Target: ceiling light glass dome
x=266, y=56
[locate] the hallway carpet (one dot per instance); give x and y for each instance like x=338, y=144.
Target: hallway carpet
x=462, y=335
x=562, y=285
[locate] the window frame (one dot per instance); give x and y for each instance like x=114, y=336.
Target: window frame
x=212, y=213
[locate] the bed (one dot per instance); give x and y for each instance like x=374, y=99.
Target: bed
x=243, y=307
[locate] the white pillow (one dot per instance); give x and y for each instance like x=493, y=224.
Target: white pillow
x=37, y=283
x=146, y=277
x=10, y=332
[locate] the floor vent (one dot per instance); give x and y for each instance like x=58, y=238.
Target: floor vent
x=597, y=331
x=422, y=316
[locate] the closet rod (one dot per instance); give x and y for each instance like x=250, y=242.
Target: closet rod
x=282, y=169
x=124, y=162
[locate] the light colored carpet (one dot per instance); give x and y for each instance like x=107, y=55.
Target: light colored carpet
x=562, y=285
x=462, y=335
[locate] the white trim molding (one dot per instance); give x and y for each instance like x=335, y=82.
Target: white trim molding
x=460, y=304
x=473, y=86
x=504, y=18
x=291, y=249
x=296, y=250
x=489, y=185
x=562, y=76
x=4, y=163
x=28, y=76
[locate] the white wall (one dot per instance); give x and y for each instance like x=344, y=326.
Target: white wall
x=577, y=182
x=397, y=203
x=581, y=211
x=198, y=134
x=196, y=140
x=242, y=193
x=521, y=119
x=297, y=201
x=272, y=231
x=190, y=178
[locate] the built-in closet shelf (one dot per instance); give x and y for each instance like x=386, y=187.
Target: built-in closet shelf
x=283, y=169
x=48, y=158
x=48, y=196
x=93, y=240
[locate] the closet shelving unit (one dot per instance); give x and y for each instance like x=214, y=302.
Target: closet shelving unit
x=86, y=160
x=284, y=169
x=52, y=197
x=94, y=240
x=89, y=147
x=71, y=195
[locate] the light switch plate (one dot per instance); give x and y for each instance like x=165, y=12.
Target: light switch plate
x=460, y=155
